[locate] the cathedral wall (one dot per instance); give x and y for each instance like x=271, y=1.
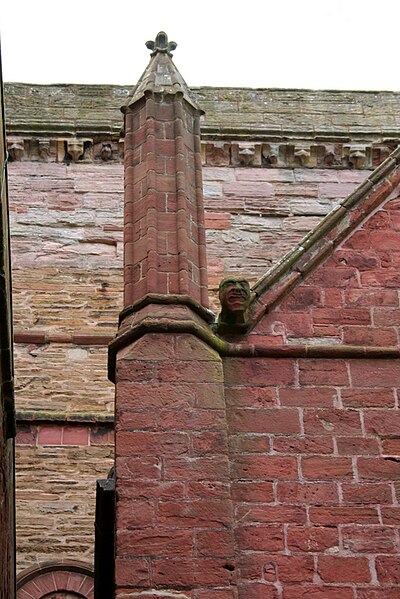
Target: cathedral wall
x=311, y=448
x=314, y=476
x=67, y=258
x=56, y=484
x=314, y=440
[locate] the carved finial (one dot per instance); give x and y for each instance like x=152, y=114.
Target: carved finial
x=161, y=44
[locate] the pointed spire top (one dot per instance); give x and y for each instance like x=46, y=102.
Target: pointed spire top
x=161, y=44
x=161, y=75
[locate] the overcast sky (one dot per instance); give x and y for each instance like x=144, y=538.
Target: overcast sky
x=320, y=44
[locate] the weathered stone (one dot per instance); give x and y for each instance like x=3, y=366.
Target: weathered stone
x=67, y=233
x=55, y=492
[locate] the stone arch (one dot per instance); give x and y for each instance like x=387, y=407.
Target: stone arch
x=56, y=580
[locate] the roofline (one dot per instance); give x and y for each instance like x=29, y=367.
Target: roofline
x=199, y=87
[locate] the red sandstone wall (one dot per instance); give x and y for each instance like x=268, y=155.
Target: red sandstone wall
x=173, y=510
x=315, y=442
x=313, y=448
x=314, y=451
x=255, y=215
x=312, y=443
x=353, y=298
x=67, y=239
x=67, y=233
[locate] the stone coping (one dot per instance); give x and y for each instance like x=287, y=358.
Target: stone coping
x=94, y=111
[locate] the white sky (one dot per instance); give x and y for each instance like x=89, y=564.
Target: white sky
x=320, y=44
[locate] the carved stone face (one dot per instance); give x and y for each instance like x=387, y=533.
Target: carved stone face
x=234, y=294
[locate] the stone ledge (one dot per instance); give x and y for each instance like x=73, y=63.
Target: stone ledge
x=245, y=350
x=249, y=148
x=42, y=416
x=44, y=338
x=98, y=107
x=300, y=127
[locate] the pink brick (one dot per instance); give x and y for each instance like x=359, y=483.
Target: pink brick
x=344, y=569
x=50, y=435
x=385, y=373
x=75, y=435
x=267, y=420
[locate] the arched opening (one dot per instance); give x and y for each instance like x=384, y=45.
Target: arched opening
x=56, y=580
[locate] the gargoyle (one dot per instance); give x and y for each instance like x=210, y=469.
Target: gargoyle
x=235, y=296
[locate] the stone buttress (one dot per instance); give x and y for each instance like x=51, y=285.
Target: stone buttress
x=173, y=508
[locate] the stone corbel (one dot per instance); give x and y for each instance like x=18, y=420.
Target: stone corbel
x=357, y=155
x=380, y=152
x=246, y=154
x=328, y=155
x=104, y=151
x=271, y=155
x=75, y=148
x=235, y=296
x=303, y=155
x=15, y=148
x=44, y=149
x=218, y=153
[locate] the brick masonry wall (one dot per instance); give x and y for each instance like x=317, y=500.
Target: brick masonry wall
x=56, y=483
x=353, y=298
x=315, y=477
x=254, y=216
x=315, y=442
x=70, y=227
x=67, y=254
x=63, y=378
x=173, y=508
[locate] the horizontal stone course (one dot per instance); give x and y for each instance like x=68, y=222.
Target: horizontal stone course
x=63, y=378
x=59, y=434
x=74, y=105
